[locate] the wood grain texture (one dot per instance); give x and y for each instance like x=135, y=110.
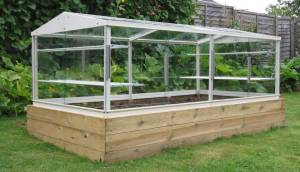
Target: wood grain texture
x=72, y=120
x=70, y=147
x=185, y=131
x=75, y=136
x=148, y=121
x=184, y=137
x=113, y=139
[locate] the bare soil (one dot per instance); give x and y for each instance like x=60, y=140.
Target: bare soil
x=122, y=104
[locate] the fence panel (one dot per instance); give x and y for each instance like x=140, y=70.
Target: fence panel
x=297, y=36
x=215, y=15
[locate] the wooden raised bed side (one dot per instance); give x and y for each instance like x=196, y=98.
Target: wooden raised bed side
x=117, y=137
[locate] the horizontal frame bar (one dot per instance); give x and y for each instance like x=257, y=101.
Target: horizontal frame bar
x=142, y=110
x=236, y=53
x=90, y=83
x=151, y=95
x=120, y=39
x=229, y=78
x=96, y=47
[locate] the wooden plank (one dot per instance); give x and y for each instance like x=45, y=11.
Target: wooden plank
x=262, y=119
x=132, y=123
x=255, y=128
x=133, y=153
x=70, y=135
x=79, y=150
x=184, y=131
x=202, y=128
x=217, y=127
x=153, y=148
x=225, y=111
x=194, y=134
x=138, y=138
x=72, y=120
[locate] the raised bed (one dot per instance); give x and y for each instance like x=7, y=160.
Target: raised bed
x=137, y=133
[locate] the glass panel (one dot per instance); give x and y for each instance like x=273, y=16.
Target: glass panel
x=157, y=71
x=124, y=32
x=71, y=76
x=168, y=35
x=183, y=74
x=77, y=38
x=169, y=71
x=263, y=66
x=244, y=67
x=119, y=69
x=148, y=68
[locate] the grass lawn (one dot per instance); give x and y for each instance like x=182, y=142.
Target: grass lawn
x=275, y=150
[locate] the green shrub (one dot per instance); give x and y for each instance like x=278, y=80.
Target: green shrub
x=290, y=75
x=15, y=87
x=15, y=80
x=19, y=18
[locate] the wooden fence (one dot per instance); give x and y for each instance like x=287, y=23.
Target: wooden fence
x=226, y=16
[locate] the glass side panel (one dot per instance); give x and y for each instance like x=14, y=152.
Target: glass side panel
x=244, y=68
x=119, y=68
x=70, y=69
x=167, y=68
x=181, y=63
x=158, y=69
x=70, y=76
x=147, y=68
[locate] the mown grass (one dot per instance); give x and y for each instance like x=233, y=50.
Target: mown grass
x=275, y=150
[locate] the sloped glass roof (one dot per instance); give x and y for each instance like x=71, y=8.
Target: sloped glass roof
x=68, y=21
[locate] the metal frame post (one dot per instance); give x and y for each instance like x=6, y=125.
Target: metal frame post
x=166, y=72
x=83, y=61
x=198, y=68
x=211, y=68
x=107, y=66
x=249, y=65
x=277, y=69
x=34, y=68
x=130, y=79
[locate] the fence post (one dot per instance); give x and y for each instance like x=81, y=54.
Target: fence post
x=276, y=26
x=256, y=22
x=297, y=36
x=292, y=23
x=205, y=15
x=233, y=18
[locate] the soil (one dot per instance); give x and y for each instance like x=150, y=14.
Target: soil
x=122, y=104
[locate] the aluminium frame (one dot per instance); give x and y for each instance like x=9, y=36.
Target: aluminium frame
x=215, y=34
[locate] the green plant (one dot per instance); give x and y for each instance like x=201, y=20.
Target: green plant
x=285, y=8
x=290, y=75
x=15, y=87
x=19, y=18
